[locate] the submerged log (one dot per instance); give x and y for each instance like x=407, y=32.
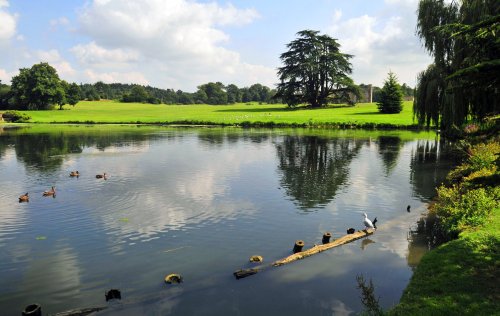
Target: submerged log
x=81, y=311
x=319, y=248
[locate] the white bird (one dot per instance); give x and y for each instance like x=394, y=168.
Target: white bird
x=368, y=223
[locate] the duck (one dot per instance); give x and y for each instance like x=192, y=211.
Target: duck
x=101, y=176
x=367, y=222
x=24, y=198
x=51, y=192
x=74, y=174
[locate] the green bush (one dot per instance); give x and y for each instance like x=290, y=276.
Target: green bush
x=15, y=116
x=481, y=160
x=459, y=209
x=483, y=155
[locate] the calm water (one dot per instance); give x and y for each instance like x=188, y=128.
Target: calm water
x=200, y=202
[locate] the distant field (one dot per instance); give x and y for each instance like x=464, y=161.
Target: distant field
x=364, y=114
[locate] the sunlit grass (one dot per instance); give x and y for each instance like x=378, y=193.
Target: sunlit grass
x=239, y=114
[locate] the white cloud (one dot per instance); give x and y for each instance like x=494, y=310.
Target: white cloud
x=8, y=22
x=5, y=76
x=60, y=21
x=93, y=54
x=381, y=43
x=114, y=76
x=180, y=40
x=62, y=66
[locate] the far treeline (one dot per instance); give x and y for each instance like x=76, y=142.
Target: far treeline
x=40, y=88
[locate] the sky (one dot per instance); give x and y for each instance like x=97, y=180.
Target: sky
x=181, y=44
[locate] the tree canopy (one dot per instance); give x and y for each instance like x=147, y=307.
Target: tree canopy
x=463, y=82
x=315, y=72
x=37, y=88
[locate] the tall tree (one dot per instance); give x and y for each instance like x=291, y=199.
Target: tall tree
x=315, y=72
x=233, y=94
x=463, y=82
x=391, y=96
x=73, y=94
x=37, y=88
x=215, y=92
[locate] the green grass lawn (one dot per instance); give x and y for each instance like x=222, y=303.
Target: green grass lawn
x=363, y=114
x=458, y=278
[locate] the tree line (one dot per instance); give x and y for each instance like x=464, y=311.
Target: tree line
x=209, y=93
x=315, y=74
x=40, y=88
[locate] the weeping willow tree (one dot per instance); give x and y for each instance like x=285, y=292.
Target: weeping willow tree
x=463, y=82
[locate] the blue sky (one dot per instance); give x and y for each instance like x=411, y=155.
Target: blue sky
x=181, y=44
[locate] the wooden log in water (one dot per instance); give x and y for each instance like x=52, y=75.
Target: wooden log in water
x=319, y=248
x=81, y=311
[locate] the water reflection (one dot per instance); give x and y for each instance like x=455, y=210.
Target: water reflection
x=429, y=167
x=420, y=240
x=313, y=169
x=389, y=147
x=200, y=202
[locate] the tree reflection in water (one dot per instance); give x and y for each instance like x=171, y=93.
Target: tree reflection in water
x=429, y=166
x=314, y=168
x=388, y=148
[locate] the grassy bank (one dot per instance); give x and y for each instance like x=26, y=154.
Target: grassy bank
x=461, y=276
x=253, y=114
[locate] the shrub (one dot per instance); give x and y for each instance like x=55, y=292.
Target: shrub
x=459, y=209
x=483, y=155
x=482, y=160
x=16, y=117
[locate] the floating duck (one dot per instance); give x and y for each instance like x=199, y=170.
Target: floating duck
x=74, y=174
x=367, y=222
x=101, y=176
x=113, y=294
x=24, y=198
x=51, y=192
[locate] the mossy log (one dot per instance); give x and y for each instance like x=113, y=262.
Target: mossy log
x=319, y=248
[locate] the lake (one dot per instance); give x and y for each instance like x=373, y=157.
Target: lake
x=200, y=202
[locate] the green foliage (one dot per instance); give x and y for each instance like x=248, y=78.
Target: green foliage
x=460, y=209
x=230, y=94
x=315, y=72
x=483, y=155
x=462, y=83
x=468, y=203
x=5, y=96
x=73, y=94
x=137, y=94
x=37, y=88
x=215, y=93
x=16, y=116
x=391, y=96
x=481, y=161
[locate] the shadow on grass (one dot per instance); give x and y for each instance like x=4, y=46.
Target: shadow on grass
x=256, y=110
x=367, y=113
x=282, y=109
